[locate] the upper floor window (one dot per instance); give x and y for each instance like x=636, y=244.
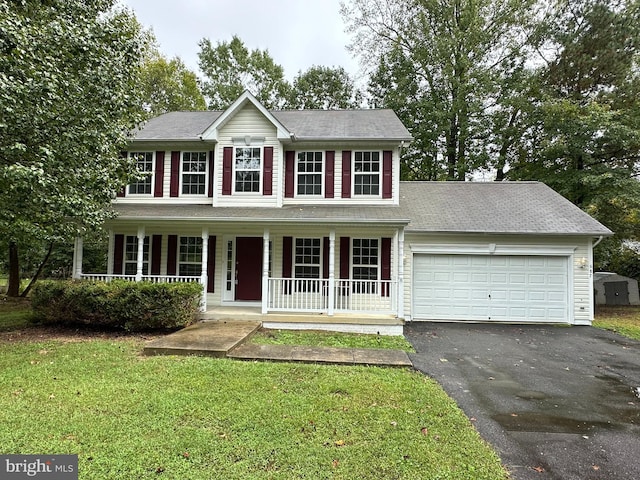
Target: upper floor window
x=194, y=173
x=131, y=255
x=144, y=163
x=309, y=173
x=248, y=166
x=366, y=173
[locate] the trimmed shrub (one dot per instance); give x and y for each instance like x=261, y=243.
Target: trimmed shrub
x=118, y=304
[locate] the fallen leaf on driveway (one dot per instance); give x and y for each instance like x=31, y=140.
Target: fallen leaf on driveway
x=538, y=469
x=596, y=467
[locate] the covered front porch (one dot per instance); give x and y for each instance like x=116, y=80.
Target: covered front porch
x=304, y=277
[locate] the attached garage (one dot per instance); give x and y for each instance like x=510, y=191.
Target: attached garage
x=500, y=288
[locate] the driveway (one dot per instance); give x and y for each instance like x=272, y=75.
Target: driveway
x=556, y=402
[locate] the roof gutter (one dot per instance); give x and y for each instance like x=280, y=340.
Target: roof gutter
x=597, y=241
x=399, y=221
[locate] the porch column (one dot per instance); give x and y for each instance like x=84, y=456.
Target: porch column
x=332, y=272
x=139, y=257
x=399, y=237
x=265, y=271
x=204, y=276
x=110, y=253
x=77, y=258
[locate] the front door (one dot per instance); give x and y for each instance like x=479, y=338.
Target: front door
x=248, y=268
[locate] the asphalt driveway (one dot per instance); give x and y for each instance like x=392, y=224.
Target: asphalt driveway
x=556, y=402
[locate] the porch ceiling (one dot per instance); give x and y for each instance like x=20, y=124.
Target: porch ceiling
x=388, y=215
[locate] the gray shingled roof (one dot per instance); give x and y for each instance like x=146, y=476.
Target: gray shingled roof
x=493, y=207
x=438, y=207
x=304, y=124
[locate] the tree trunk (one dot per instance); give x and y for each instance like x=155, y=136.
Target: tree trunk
x=38, y=272
x=13, y=289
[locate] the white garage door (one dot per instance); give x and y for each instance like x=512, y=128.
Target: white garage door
x=490, y=288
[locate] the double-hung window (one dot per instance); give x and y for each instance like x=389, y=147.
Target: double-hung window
x=144, y=164
x=131, y=255
x=366, y=173
x=309, y=173
x=307, y=262
x=194, y=173
x=190, y=257
x=248, y=167
x=365, y=264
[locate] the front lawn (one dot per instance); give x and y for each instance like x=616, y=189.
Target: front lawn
x=623, y=320
x=129, y=416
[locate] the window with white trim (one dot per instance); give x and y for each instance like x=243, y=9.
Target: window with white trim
x=131, y=255
x=194, y=173
x=366, y=173
x=144, y=164
x=366, y=259
x=248, y=169
x=190, y=257
x=307, y=258
x=309, y=173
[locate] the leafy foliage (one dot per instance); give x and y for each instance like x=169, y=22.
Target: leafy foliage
x=68, y=90
x=230, y=68
x=168, y=85
x=323, y=88
x=133, y=306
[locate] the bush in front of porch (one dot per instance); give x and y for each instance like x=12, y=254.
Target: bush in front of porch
x=118, y=304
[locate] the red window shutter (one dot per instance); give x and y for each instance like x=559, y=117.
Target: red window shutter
x=346, y=174
x=325, y=257
x=211, y=265
x=287, y=263
x=157, y=190
x=156, y=254
x=122, y=192
x=387, y=170
x=267, y=171
x=289, y=169
x=385, y=274
x=211, y=157
x=345, y=249
x=175, y=174
x=172, y=254
x=118, y=253
x=329, y=165
x=227, y=157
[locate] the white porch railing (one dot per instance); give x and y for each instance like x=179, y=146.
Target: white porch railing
x=350, y=296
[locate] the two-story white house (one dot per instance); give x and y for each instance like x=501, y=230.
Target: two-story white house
x=301, y=215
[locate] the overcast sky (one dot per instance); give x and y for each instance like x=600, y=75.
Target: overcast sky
x=297, y=33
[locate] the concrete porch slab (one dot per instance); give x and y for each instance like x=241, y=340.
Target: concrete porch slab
x=211, y=338
x=329, y=355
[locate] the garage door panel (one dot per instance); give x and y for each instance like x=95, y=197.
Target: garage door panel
x=488, y=287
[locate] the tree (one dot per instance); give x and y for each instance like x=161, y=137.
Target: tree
x=440, y=63
x=68, y=92
x=230, y=68
x=323, y=88
x=168, y=85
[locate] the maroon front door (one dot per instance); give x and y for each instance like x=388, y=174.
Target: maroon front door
x=248, y=268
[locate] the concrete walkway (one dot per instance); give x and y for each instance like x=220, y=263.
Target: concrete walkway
x=226, y=339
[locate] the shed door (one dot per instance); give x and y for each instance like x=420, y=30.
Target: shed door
x=616, y=293
x=490, y=288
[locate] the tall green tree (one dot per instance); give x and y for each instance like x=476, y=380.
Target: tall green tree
x=324, y=88
x=583, y=137
x=69, y=98
x=230, y=68
x=168, y=85
x=439, y=63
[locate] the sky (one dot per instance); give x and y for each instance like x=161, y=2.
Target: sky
x=297, y=33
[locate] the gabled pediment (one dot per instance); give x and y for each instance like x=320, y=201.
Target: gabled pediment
x=211, y=133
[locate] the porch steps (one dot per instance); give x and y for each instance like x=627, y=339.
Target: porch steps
x=213, y=339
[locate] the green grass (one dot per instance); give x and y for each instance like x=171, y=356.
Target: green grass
x=622, y=320
x=330, y=339
x=14, y=313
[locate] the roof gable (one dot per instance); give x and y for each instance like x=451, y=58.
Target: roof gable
x=211, y=133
